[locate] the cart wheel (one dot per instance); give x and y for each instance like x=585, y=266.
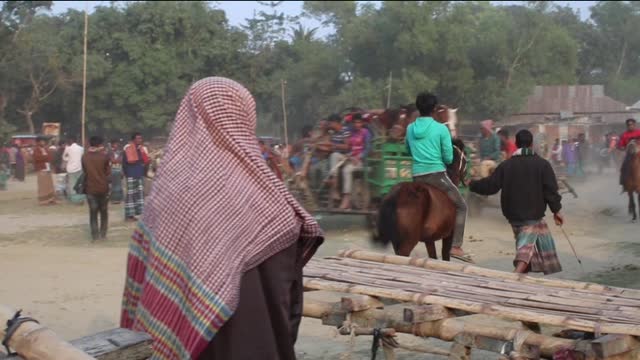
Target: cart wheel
x=361, y=196
x=372, y=224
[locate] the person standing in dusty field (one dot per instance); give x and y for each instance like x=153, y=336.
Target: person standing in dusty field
x=134, y=160
x=115, y=156
x=5, y=166
x=13, y=153
x=19, y=167
x=60, y=169
x=73, y=157
x=229, y=245
x=556, y=153
x=42, y=165
x=528, y=186
x=97, y=170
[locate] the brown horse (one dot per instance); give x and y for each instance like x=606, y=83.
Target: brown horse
x=631, y=182
x=414, y=212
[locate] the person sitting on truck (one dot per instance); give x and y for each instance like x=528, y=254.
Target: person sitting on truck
x=339, y=150
x=430, y=146
x=359, y=143
x=490, y=152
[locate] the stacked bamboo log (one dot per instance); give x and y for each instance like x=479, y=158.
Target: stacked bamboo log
x=36, y=342
x=572, y=305
x=33, y=341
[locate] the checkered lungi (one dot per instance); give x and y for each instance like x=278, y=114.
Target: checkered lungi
x=134, y=201
x=535, y=246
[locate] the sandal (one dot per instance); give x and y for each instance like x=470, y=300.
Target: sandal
x=464, y=258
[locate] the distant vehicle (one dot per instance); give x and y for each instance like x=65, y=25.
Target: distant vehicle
x=28, y=140
x=269, y=140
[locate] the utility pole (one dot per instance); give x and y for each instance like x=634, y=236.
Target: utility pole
x=84, y=72
x=283, y=85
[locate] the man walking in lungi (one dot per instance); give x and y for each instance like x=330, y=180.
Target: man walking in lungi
x=133, y=165
x=528, y=186
x=42, y=164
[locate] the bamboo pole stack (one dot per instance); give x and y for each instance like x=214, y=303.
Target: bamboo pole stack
x=447, y=329
x=569, y=304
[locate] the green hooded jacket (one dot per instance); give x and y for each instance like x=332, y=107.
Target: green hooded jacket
x=429, y=143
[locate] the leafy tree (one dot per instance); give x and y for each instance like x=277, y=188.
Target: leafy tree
x=616, y=47
x=142, y=56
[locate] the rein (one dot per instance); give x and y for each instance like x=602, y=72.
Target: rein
x=463, y=157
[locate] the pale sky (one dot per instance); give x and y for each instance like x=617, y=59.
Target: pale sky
x=238, y=11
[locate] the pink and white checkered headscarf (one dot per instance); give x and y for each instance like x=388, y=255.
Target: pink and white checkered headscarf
x=215, y=211
x=487, y=125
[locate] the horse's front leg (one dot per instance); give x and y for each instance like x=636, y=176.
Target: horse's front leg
x=431, y=248
x=632, y=207
x=446, y=248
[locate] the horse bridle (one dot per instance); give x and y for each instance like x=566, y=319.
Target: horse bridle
x=463, y=157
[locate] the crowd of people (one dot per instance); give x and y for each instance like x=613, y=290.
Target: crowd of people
x=95, y=176
x=337, y=148
x=573, y=155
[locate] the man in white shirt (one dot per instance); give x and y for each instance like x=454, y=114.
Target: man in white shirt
x=73, y=157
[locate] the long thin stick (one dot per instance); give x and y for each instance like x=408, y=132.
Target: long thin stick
x=84, y=71
x=572, y=248
x=283, y=84
x=389, y=92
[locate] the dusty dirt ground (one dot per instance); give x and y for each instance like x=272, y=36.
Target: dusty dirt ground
x=49, y=268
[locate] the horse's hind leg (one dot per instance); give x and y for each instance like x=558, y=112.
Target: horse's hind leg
x=634, y=211
x=431, y=248
x=406, y=246
x=446, y=248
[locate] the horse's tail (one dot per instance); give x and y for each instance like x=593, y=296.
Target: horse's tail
x=387, y=222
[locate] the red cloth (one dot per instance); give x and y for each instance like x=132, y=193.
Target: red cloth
x=215, y=211
x=510, y=147
x=132, y=154
x=564, y=354
x=626, y=137
x=145, y=157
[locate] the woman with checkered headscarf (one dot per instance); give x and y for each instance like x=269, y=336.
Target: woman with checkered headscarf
x=215, y=265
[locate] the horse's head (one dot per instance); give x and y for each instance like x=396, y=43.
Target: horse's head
x=458, y=168
x=632, y=147
x=448, y=116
